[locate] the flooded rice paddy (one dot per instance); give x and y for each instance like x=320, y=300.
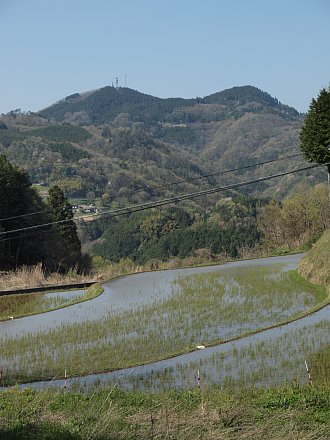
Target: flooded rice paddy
x=17, y=305
x=150, y=316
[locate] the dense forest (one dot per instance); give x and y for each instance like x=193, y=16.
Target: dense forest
x=173, y=232
x=233, y=227
x=105, y=104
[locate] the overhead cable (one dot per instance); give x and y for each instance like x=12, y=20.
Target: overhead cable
x=154, y=204
x=188, y=180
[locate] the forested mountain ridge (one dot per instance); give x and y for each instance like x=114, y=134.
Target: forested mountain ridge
x=126, y=146
x=247, y=94
x=105, y=104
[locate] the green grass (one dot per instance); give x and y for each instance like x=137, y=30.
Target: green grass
x=202, y=309
x=315, y=266
x=291, y=413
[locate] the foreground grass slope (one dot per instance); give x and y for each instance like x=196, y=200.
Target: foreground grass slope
x=287, y=413
x=315, y=266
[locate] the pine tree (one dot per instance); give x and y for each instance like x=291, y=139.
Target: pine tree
x=315, y=134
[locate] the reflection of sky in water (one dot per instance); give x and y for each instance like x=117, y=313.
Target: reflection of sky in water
x=292, y=342
x=275, y=356
x=126, y=293
x=68, y=294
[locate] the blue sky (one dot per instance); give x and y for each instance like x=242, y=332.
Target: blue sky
x=187, y=48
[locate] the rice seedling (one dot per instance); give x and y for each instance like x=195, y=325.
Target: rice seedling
x=273, y=360
x=200, y=309
x=16, y=306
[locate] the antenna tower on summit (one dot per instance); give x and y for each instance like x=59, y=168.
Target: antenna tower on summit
x=117, y=83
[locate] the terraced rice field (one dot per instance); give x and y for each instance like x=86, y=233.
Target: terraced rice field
x=147, y=317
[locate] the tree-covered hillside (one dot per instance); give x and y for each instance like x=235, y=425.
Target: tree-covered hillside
x=107, y=103
x=226, y=229
x=249, y=95
x=127, y=147
x=230, y=228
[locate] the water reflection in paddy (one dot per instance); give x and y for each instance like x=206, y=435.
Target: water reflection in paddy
x=126, y=293
x=274, y=355
x=67, y=294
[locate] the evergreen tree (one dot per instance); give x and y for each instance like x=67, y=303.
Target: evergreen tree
x=62, y=213
x=315, y=134
x=56, y=247
x=17, y=202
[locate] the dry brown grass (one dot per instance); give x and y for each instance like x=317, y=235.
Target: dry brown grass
x=34, y=276
x=207, y=423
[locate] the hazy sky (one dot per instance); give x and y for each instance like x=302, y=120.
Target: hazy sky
x=167, y=48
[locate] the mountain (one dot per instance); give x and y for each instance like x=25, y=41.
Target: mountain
x=126, y=146
x=107, y=103
x=247, y=95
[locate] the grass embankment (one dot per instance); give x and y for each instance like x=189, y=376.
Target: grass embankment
x=291, y=413
x=17, y=306
x=315, y=266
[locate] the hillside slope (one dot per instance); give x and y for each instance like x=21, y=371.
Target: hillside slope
x=315, y=266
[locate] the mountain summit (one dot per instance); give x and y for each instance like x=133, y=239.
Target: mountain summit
x=106, y=104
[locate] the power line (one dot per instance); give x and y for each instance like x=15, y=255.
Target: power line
x=16, y=237
x=205, y=176
x=148, y=188
x=29, y=214
x=155, y=204
x=189, y=196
